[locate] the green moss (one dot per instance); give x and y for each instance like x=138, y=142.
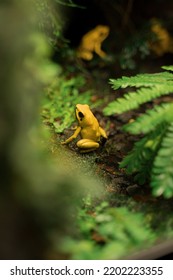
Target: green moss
x=60, y=100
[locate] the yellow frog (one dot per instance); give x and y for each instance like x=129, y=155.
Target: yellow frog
x=91, y=42
x=163, y=42
x=89, y=129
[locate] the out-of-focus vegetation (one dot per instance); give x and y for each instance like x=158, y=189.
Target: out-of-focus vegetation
x=108, y=233
x=50, y=21
x=151, y=156
x=38, y=192
x=151, y=39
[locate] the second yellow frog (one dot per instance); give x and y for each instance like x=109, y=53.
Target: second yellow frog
x=89, y=129
x=91, y=42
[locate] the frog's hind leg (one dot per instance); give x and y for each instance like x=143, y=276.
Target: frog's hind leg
x=87, y=145
x=85, y=54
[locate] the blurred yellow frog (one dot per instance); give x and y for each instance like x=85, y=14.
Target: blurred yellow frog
x=89, y=129
x=163, y=42
x=91, y=42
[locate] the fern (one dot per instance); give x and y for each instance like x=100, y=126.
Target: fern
x=133, y=100
x=152, y=156
x=150, y=86
x=162, y=173
x=146, y=80
x=139, y=160
x=143, y=124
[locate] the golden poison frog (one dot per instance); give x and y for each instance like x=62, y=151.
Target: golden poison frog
x=88, y=127
x=163, y=42
x=91, y=42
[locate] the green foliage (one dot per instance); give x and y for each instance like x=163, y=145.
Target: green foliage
x=150, y=86
x=108, y=233
x=60, y=100
x=50, y=21
x=162, y=177
x=68, y=3
x=138, y=46
x=38, y=189
x=140, y=159
x=151, y=157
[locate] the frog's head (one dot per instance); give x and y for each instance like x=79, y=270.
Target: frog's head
x=103, y=31
x=83, y=114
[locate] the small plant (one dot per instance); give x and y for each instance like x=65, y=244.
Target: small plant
x=60, y=100
x=152, y=156
x=108, y=233
x=137, y=47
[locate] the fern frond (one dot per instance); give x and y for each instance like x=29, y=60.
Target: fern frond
x=142, y=80
x=169, y=68
x=150, y=86
x=133, y=162
x=152, y=118
x=133, y=100
x=162, y=172
x=141, y=157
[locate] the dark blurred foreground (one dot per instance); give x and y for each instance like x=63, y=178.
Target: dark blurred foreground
x=37, y=197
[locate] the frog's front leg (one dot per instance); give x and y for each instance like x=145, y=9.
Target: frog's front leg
x=102, y=132
x=71, y=138
x=87, y=145
x=98, y=50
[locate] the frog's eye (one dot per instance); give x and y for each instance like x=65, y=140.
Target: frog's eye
x=81, y=115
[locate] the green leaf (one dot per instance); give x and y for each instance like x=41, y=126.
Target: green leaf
x=150, y=87
x=169, y=68
x=133, y=100
x=140, y=159
x=162, y=172
x=141, y=80
x=151, y=119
